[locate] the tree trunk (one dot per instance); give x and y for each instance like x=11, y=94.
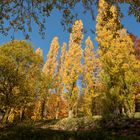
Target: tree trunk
x=21, y=113
x=43, y=112
x=57, y=113
x=5, y=116
x=11, y=115
x=70, y=115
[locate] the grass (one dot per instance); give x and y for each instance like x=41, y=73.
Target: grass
x=29, y=133
x=87, y=129
x=32, y=133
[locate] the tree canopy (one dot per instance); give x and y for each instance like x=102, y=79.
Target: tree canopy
x=20, y=14
x=76, y=82
x=20, y=72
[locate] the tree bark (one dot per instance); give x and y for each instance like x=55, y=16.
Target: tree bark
x=11, y=115
x=21, y=113
x=43, y=112
x=70, y=115
x=57, y=113
x=5, y=116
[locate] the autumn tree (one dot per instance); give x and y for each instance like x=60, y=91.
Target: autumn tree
x=51, y=63
x=118, y=63
x=60, y=69
x=137, y=53
x=59, y=85
x=72, y=66
x=20, y=70
x=88, y=77
x=56, y=100
x=56, y=107
x=49, y=71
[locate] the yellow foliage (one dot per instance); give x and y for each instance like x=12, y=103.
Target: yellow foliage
x=39, y=52
x=117, y=60
x=88, y=77
x=51, y=63
x=72, y=64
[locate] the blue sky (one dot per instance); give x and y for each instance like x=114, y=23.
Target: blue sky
x=54, y=28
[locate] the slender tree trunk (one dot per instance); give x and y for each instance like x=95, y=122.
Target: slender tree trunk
x=70, y=115
x=21, y=113
x=11, y=115
x=56, y=116
x=37, y=109
x=5, y=116
x=43, y=112
x=57, y=112
x=76, y=111
x=70, y=111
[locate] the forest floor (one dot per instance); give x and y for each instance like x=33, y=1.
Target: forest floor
x=73, y=129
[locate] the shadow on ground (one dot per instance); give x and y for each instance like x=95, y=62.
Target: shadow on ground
x=31, y=133
x=123, y=129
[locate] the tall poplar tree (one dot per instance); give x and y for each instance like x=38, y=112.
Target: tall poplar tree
x=59, y=86
x=49, y=71
x=51, y=63
x=73, y=66
x=61, y=67
x=118, y=64
x=88, y=77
